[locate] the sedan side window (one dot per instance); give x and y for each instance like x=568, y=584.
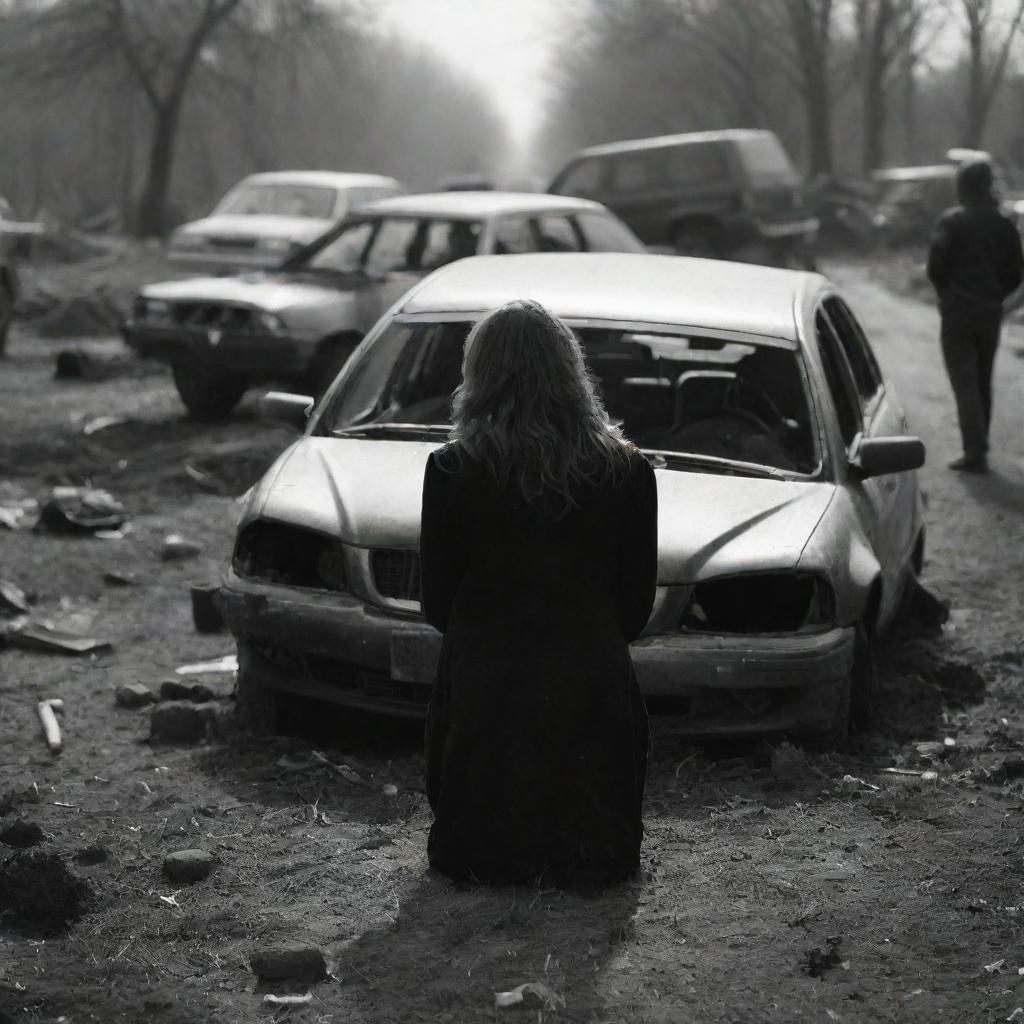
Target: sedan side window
x=855, y=345
x=513, y=234
x=839, y=378
x=392, y=246
x=556, y=234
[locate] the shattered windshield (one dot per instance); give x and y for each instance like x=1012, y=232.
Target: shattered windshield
x=689, y=395
x=279, y=199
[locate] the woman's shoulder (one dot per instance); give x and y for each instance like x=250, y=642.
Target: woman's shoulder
x=451, y=458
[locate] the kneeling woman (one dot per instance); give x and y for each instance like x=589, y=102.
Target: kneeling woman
x=539, y=563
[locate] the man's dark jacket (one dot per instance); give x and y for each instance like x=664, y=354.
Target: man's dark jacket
x=975, y=260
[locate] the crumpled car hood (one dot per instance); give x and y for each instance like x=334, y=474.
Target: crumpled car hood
x=369, y=492
x=273, y=291
x=234, y=225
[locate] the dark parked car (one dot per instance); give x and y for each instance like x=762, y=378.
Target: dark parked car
x=731, y=193
x=298, y=324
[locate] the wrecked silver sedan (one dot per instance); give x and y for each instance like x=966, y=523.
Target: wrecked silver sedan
x=789, y=512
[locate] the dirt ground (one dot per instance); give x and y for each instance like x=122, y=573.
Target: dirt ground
x=776, y=887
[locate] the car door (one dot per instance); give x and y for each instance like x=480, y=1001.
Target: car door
x=392, y=264
x=874, y=498
x=883, y=417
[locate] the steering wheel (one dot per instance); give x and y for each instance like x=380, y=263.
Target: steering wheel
x=733, y=404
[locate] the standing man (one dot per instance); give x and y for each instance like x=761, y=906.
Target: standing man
x=975, y=263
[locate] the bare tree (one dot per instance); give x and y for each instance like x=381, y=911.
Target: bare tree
x=153, y=49
x=988, y=49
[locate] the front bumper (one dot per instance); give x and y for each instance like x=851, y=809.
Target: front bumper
x=227, y=260
x=251, y=354
x=336, y=647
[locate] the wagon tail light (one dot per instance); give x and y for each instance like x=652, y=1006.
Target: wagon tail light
x=763, y=603
x=291, y=556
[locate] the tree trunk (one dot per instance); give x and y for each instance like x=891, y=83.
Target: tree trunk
x=151, y=221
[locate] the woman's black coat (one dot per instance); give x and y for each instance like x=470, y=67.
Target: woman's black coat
x=537, y=735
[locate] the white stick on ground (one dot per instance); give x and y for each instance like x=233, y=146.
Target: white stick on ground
x=51, y=730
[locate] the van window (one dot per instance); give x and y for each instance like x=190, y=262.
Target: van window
x=765, y=161
x=633, y=173
x=696, y=163
x=582, y=179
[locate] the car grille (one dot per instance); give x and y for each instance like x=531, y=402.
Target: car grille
x=396, y=573
x=214, y=314
x=216, y=242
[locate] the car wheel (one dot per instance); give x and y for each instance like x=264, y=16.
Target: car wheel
x=207, y=395
x=256, y=705
x=697, y=239
x=6, y=315
x=854, y=699
x=326, y=365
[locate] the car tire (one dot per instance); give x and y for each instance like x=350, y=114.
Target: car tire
x=330, y=357
x=696, y=238
x=854, y=699
x=257, y=706
x=208, y=396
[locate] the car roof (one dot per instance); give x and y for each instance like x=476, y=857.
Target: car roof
x=661, y=141
x=923, y=173
x=626, y=287
x=476, y=204
x=330, y=179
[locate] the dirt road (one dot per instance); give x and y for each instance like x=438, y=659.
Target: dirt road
x=776, y=887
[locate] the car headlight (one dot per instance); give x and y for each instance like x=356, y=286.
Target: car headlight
x=290, y=555
x=281, y=246
x=761, y=603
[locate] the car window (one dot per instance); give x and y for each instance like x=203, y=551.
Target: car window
x=672, y=393
x=696, y=163
x=281, y=199
x=633, y=173
x=839, y=379
x=446, y=241
x=556, y=233
x=514, y=234
x=394, y=245
x=582, y=179
x=605, y=233
x=866, y=374
x=765, y=161
x=344, y=252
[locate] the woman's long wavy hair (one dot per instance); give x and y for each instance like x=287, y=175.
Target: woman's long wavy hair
x=528, y=409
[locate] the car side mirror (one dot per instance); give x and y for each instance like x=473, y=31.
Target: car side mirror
x=879, y=456
x=284, y=407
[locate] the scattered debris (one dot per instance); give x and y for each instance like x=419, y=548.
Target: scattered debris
x=17, y=510
x=99, y=423
x=927, y=610
x=180, y=722
x=390, y=789
x=39, y=892
x=206, y=614
x=290, y=961
x=12, y=599
x=288, y=1000
x=931, y=749
x=41, y=635
x=133, y=695
x=51, y=729
x=78, y=510
x=1011, y=767
x=120, y=579
x=342, y=769
x=21, y=835
x=852, y=782
x=817, y=961
x=177, y=548
x=188, y=865
x=543, y=997
x=171, y=689
x=229, y=663
x=994, y=968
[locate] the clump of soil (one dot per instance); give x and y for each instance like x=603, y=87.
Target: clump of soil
x=818, y=960
x=39, y=894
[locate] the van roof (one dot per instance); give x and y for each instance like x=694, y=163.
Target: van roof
x=665, y=141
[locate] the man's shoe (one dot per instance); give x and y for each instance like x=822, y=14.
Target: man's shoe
x=966, y=465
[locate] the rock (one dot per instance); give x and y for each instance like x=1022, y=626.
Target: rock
x=172, y=689
x=133, y=695
x=21, y=835
x=180, y=721
x=291, y=961
x=176, y=547
x=95, y=854
x=188, y=865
